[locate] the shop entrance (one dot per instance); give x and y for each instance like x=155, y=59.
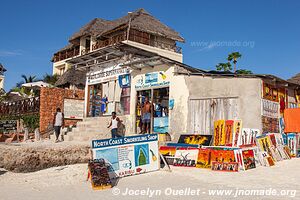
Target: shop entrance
x=152, y=111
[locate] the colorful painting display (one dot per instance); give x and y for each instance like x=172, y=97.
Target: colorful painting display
x=292, y=143
x=229, y=129
x=264, y=143
x=225, y=166
x=248, y=159
x=167, y=150
x=204, y=158
x=128, y=155
x=219, y=133
x=186, y=157
x=237, y=130
x=219, y=155
x=195, y=139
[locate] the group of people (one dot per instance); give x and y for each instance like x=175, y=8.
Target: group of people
x=114, y=124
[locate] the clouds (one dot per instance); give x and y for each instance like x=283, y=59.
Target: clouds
x=9, y=53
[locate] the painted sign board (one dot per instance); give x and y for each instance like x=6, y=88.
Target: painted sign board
x=128, y=155
x=153, y=79
x=270, y=109
x=73, y=108
x=8, y=125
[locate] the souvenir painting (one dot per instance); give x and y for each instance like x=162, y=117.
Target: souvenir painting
x=292, y=143
x=270, y=161
x=225, y=166
x=167, y=151
x=219, y=133
x=264, y=143
x=186, y=157
x=248, y=159
x=229, y=132
x=222, y=155
x=204, y=158
x=262, y=155
x=254, y=133
x=245, y=137
x=203, y=140
x=237, y=129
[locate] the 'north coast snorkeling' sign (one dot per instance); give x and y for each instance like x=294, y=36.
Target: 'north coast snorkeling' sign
x=128, y=155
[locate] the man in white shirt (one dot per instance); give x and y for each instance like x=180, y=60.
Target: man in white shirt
x=58, y=122
x=114, y=124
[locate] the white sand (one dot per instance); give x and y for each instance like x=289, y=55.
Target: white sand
x=69, y=183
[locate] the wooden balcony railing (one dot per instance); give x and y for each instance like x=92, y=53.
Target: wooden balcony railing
x=66, y=54
x=25, y=106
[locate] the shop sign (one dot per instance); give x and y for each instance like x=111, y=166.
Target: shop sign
x=107, y=74
x=73, y=108
x=270, y=108
x=155, y=79
x=128, y=155
x=8, y=125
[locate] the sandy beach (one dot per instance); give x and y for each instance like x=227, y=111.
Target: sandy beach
x=69, y=182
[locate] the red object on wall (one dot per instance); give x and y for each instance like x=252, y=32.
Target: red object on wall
x=292, y=120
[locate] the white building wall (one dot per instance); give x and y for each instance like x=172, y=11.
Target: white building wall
x=2, y=78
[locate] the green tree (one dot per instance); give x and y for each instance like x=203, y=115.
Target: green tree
x=51, y=79
x=234, y=56
x=226, y=67
x=244, y=71
x=29, y=79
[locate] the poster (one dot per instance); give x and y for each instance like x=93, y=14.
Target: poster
x=204, y=158
x=270, y=109
x=225, y=166
x=161, y=124
x=219, y=133
x=128, y=155
x=237, y=130
x=248, y=159
x=195, y=139
x=186, y=157
x=229, y=132
x=73, y=108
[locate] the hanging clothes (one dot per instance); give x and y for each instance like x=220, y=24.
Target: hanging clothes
x=292, y=120
x=105, y=89
x=118, y=92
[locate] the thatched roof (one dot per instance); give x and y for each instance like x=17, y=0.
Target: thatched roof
x=140, y=20
x=295, y=79
x=72, y=77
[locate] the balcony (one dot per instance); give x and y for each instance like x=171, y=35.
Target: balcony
x=134, y=35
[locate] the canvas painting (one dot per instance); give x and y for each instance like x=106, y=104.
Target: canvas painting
x=225, y=166
x=203, y=140
x=245, y=137
x=219, y=133
x=237, y=129
x=186, y=157
x=292, y=143
x=204, y=158
x=167, y=151
x=254, y=133
x=264, y=143
x=219, y=155
x=229, y=132
x=248, y=159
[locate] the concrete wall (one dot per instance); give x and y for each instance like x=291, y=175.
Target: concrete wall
x=248, y=91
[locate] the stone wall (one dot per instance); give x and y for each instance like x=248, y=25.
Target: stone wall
x=52, y=98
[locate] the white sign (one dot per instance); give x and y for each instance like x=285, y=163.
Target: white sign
x=73, y=108
x=153, y=79
x=108, y=74
x=128, y=155
x=270, y=108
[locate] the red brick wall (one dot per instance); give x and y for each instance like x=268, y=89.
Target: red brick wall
x=52, y=98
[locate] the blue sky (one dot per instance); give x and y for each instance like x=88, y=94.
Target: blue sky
x=266, y=33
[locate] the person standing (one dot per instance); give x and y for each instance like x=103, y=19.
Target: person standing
x=58, y=123
x=146, y=115
x=114, y=124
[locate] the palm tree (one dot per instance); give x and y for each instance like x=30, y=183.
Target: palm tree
x=29, y=79
x=226, y=67
x=233, y=57
x=51, y=79
x=244, y=71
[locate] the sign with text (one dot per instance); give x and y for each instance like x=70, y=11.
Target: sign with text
x=154, y=79
x=8, y=125
x=73, y=108
x=128, y=155
x=270, y=108
x=107, y=74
